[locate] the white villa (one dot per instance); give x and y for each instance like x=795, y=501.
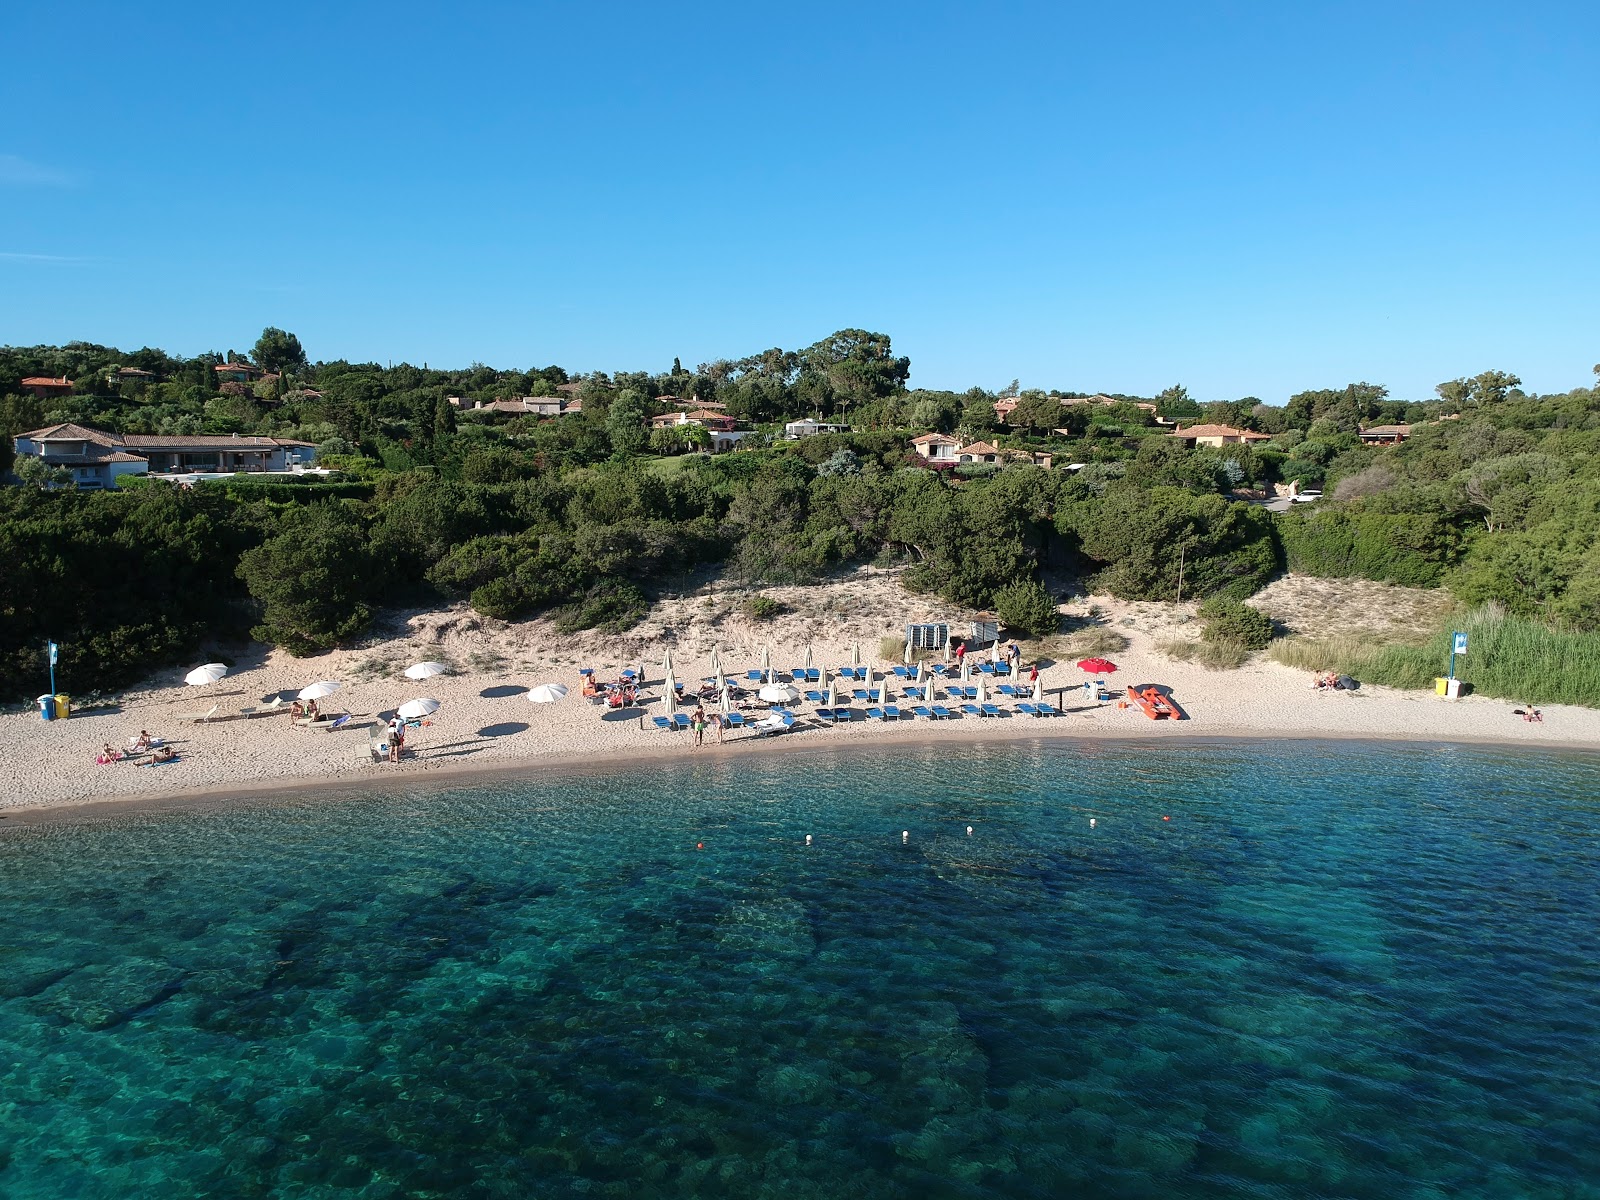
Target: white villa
x=97, y=459
x=942, y=450
x=793, y=431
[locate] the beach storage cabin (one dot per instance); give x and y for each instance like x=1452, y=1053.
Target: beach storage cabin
x=984, y=632
x=927, y=636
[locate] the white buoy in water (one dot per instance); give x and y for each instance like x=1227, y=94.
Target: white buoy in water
x=969, y=830
x=1091, y=822
x=808, y=839
x=905, y=836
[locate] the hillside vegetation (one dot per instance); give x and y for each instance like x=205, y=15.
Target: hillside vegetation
x=1494, y=497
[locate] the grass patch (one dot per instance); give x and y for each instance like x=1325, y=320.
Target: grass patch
x=1096, y=641
x=1214, y=656
x=1508, y=657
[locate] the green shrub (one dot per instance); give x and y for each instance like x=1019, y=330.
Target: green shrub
x=611, y=606
x=1027, y=606
x=763, y=608
x=1230, y=621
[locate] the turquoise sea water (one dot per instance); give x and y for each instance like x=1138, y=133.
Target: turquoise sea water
x=1338, y=970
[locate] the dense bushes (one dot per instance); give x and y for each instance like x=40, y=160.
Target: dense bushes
x=1233, y=622
x=1027, y=607
x=1413, y=549
x=125, y=581
x=315, y=582
x=1144, y=539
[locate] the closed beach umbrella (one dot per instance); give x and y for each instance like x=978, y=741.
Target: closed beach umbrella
x=1038, y=690
x=809, y=662
x=421, y=707
x=778, y=693
x=426, y=670
x=994, y=651
x=908, y=652
x=727, y=700
x=545, y=693
x=672, y=701
x=209, y=673
x=666, y=661
x=983, y=690
x=930, y=687
x=670, y=685
x=922, y=674
x=833, y=696
x=766, y=662
x=716, y=661
x=722, y=680
x=855, y=654
x=883, y=692
x=966, y=670
x=318, y=690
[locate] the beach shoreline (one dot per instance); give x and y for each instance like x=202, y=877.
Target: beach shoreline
x=485, y=727
x=435, y=776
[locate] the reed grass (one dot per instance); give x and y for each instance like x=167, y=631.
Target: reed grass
x=1508, y=657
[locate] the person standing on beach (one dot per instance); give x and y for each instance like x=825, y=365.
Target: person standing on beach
x=717, y=723
x=698, y=724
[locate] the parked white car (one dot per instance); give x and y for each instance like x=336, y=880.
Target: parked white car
x=1307, y=497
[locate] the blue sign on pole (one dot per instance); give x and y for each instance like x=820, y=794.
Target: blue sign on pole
x=1460, y=644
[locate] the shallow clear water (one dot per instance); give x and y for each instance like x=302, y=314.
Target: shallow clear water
x=1338, y=970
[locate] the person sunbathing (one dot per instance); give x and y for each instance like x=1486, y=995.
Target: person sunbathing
x=143, y=742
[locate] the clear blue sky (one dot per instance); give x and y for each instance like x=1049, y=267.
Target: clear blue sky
x=1249, y=198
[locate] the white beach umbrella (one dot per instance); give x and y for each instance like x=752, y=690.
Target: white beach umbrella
x=766, y=662
x=666, y=661
x=929, y=686
x=670, y=685
x=318, y=690
x=922, y=674
x=966, y=670
x=722, y=680
x=809, y=662
x=983, y=690
x=727, y=701
x=1038, y=690
x=908, y=652
x=209, y=673
x=716, y=661
x=423, y=706
x=778, y=693
x=427, y=670
x=883, y=692
x=833, y=697
x=547, y=693
x=855, y=654
x=994, y=651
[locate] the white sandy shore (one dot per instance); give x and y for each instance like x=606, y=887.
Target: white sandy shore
x=486, y=723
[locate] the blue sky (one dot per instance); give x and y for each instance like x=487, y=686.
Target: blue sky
x=1249, y=198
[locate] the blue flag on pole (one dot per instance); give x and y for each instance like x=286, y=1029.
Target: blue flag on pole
x=53, y=648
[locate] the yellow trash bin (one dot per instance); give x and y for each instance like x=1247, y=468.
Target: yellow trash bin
x=1440, y=685
x=63, y=706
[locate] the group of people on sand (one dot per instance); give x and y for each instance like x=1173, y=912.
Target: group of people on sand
x=150, y=749
x=308, y=710
x=699, y=719
x=622, y=694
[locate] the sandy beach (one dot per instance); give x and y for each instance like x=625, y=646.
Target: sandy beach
x=485, y=723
